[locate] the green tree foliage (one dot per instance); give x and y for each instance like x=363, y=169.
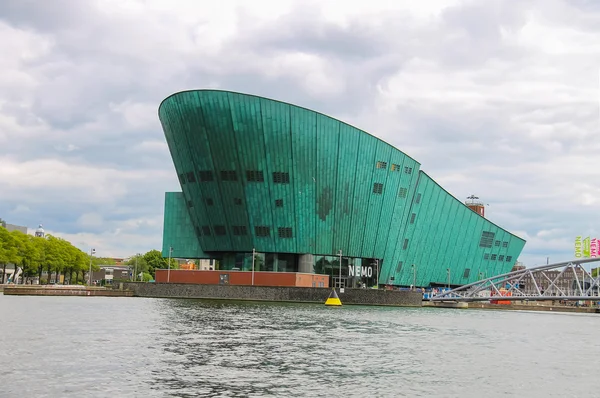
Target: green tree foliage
x=139, y=265
x=146, y=277
x=34, y=254
x=58, y=257
x=155, y=260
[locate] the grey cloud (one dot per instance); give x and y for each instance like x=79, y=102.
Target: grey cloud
x=46, y=16
x=97, y=61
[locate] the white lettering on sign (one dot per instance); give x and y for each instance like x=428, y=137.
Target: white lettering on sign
x=357, y=270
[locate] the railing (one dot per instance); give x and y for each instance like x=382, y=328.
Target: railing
x=567, y=281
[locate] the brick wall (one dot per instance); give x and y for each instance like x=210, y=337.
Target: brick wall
x=242, y=278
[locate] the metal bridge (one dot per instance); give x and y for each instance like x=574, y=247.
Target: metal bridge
x=567, y=281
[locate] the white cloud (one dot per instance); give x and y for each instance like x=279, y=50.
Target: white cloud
x=496, y=98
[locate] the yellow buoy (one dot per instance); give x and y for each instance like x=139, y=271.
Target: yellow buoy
x=333, y=299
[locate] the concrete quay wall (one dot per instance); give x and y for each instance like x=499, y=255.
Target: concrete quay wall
x=534, y=307
x=37, y=290
x=400, y=298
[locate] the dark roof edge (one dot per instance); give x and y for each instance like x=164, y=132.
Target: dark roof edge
x=295, y=106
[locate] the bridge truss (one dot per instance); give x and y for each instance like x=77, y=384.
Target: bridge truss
x=567, y=281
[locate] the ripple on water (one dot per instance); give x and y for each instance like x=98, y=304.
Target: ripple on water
x=97, y=347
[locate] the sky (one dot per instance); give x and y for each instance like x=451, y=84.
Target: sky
x=497, y=98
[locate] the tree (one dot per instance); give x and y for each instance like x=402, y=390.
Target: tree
x=155, y=260
x=33, y=254
x=139, y=265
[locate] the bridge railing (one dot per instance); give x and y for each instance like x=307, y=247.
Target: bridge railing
x=566, y=281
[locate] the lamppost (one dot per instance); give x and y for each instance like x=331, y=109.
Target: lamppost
x=135, y=267
x=414, y=276
x=448, y=272
x=377, y=273
x=340, y=278
x=92, y=251
x=253, y=254
x=169, y=265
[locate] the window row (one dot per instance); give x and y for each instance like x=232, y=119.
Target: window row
x=236, y=201
x=402, y=192
x=497, y=257
x=279, y=177
x=377, y=189
x=242, y=230
x=395, y=167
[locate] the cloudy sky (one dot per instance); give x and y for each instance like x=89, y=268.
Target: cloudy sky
x=494, y=98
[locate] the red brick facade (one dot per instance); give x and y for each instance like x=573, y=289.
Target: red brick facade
x=242, y=278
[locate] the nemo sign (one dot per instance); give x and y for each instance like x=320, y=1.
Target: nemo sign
x=357, y=270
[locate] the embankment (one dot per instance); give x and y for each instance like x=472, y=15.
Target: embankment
x=42, y=290
x=400, y=298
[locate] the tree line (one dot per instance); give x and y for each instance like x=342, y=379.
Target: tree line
x=59, y=257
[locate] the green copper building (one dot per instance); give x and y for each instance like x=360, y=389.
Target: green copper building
x=298, y=187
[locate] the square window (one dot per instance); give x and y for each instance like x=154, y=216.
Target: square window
x=228, y=175
x=381, y=165
x=182, y=178
x=191, y=177
x=262, y=231
x=418, y=199
x=504, y=244
x=278, y=202
x=497, y=243
x=501, y=257
x=486, y=256
x=205, y=175
x=508, y=259
x=467, y=272
x=395, y=167
x=412, y=218
x=378, y=188
x=237, y=201
x=206, y=230
x=407, y=170
x=190, y=204
x=284, y=232
x=280, y=177
x=219, y=230
x=487, y=238
x=239, y=230
x=255, y=176
x=405, y=245
x=494, y=257
x=402, y=192
x=208, y=201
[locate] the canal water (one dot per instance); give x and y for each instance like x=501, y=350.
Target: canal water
x=134, y=347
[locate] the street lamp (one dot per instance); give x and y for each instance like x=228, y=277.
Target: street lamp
x=253, y=254
x=92, y=251
x=377, y=273
x=135, y=267
x=340, y=278
x=169, y=265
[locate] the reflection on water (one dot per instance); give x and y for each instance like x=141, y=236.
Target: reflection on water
x=74, y=346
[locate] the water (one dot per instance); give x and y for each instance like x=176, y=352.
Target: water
x=134, y=347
